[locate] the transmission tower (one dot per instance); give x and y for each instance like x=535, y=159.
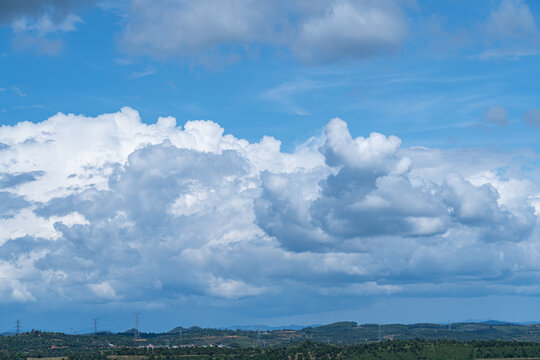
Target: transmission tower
x=137, y=334
x=380, y=333
x=17, y=327
x=95, y=325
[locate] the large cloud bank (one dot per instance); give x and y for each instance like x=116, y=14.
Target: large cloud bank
x=220, y=32
x=314, y=30
x=110, y=209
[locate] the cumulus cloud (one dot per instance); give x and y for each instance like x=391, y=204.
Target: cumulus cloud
x=532, y=117
x=45, y=24
x=511, y=19
x=12, y=10
x=511, y=31
x=315, y=31
x=350, y=30
x=372, y=193
x=32, y=21
x=496, y=115
x=187, y=28
x=103, y=290
x=109, y=209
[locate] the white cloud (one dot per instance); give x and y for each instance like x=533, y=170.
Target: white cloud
x=17, y=90
x=510, y=31
x=375, y=193
x=140, y=74
x=231, y=289
x=512, y=19
x=190, y=28
x=13, y=290
x=363, y=289
x=496, y=115
x=372, y=153
x=284, y=94
x=315, y=31
x=350, y=30
x=45, y=24
x=33, y=22
x=103, y=290
x=532, y=117
x=57, y=9
x=109, y=209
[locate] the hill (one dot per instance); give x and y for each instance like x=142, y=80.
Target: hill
x=340, y=333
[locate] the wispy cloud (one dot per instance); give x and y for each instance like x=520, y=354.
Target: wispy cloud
x=284, y=94
x=34, y=106
x=172, y=86
x=140, y=74
x=18, y=91
x=512, y=54
x=123, y=61
x=511, y=32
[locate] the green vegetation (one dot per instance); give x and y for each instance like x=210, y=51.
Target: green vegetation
x=343, y=340
x=387, y=350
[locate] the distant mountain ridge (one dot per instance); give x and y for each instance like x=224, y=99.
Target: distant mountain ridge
x=267, y=328
x=348, y=326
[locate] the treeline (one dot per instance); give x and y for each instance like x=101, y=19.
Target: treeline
x=388, y=350
x=341, y=333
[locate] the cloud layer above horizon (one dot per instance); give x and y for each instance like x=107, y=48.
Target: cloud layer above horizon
x=214, y=33
x=112, y=210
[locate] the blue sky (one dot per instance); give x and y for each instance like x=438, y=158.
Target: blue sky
x=245, y=202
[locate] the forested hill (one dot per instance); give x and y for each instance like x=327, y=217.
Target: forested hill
x=341, y=333
x=307, y=350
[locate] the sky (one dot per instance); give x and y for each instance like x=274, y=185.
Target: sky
x=242, y=162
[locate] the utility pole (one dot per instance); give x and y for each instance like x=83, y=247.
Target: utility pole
x=95, y=325
x=17, y=327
